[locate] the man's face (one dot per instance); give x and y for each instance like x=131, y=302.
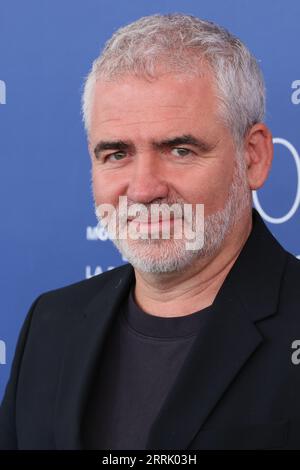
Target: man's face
x=160, y=141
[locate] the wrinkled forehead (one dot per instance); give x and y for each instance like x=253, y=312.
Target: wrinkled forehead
x=133, y=100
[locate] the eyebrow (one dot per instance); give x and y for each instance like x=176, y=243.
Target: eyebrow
x=186, y=139
x=111, y=145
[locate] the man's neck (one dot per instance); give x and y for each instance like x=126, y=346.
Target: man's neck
x=182, y=293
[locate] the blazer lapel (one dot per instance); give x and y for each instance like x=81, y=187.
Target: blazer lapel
x=249, y=294
x=82, y=352
x=219, y=352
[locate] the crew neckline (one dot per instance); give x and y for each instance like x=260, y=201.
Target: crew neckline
x=150, y=325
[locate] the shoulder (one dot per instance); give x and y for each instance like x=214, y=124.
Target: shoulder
x=293, y=265
x=83, y=290
x=72, y=299
x=290, y=285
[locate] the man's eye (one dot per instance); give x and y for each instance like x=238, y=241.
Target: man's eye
x=115, y=156
x=181, y=152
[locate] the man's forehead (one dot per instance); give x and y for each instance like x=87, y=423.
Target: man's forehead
x=149, y=133
x=134, y=101
x=165, y=87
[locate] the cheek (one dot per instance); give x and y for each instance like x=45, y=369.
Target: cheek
x=209, y=188
x=106, y=187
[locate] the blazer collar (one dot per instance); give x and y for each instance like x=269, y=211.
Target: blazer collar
x=249, y=293
x=256, y=276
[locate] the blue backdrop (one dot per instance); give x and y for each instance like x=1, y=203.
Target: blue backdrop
x=47, y=218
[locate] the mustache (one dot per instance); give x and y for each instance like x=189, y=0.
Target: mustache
x=167, y=209
x=154, y=211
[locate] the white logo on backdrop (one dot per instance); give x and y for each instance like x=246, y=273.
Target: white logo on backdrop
x=2, y=352
x=98, y=270
x=295, y=97
x=2, y=92
x=296, y=203
x=96, y=233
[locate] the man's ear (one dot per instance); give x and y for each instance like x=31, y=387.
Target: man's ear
x=259, y=151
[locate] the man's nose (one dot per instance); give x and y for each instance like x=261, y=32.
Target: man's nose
x=147, y=181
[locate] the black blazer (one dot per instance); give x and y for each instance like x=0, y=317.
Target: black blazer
x=238, y=388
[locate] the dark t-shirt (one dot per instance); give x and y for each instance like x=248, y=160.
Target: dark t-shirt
x=142, y=358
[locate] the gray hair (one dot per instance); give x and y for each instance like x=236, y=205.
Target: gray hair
x=185, y=44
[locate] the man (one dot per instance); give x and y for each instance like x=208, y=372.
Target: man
x=182, y=348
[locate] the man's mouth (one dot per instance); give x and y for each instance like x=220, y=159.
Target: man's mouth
x=152, y=220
